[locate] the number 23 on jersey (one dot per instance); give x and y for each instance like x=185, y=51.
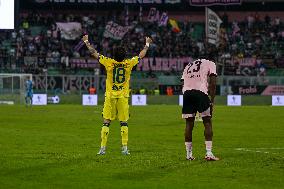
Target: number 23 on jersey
x=194, y=67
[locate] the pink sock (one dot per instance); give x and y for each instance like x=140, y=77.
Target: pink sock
x=208, y=145
x=188, y=146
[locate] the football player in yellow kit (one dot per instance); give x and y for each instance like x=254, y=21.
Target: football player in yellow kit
x=116, y=105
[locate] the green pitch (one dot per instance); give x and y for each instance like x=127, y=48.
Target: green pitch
x=56, y=146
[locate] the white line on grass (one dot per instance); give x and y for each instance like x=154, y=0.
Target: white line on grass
x=258, y=150
x=270, y=148
x=248, y=150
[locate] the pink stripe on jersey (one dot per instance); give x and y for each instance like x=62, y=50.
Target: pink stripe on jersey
x=196, y=73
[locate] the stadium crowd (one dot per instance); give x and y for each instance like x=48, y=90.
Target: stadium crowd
x=39, y=37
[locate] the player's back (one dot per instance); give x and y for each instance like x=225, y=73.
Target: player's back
x=196, y=73
x=118, y=76
x=29, y=85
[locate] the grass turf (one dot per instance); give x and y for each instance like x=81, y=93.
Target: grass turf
x=55, y=147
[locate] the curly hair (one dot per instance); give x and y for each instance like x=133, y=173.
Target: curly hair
x=119, y=53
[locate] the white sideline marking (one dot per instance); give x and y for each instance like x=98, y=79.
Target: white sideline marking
x=248, y=150
x=258, y=150
x=7, y=102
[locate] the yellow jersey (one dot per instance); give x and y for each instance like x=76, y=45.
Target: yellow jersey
x=118, y=76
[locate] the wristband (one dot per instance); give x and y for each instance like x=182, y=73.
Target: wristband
x=148, y=45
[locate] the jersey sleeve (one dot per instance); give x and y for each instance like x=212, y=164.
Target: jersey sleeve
x=212, y=69
x=134, y=61
x=104, y=60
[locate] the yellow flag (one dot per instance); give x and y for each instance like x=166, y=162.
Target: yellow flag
x=174, y=25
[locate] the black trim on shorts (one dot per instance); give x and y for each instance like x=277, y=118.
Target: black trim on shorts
x=195, y=101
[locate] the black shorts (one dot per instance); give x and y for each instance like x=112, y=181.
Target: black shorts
x=195, y=101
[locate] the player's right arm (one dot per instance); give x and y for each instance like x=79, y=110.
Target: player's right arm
x=143, y=53
x=92, y=50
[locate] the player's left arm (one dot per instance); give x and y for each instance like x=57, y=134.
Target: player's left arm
x=143, y=53
x=212, y=80
x=212, y=91
x=92, y=50
x=212, y=87
x=212, y=73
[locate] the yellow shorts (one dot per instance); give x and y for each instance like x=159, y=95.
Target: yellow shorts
x=116, y=108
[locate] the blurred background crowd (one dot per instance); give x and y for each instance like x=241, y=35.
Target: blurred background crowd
x=38, y=46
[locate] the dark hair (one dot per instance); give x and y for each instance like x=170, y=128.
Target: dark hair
x=210, y=53
x=119, y=53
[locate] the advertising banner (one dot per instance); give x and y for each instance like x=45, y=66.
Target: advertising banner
x=53, y=99
x=139, y=100
x=243, y=61
x=146, y=64
x=84, y=63
x=214, y=2
x=89, y=2
x=180, y=100
x=90, y=100
x=273, y=90
x=234, y=100
x=258, y=90
x=66, y=83
x=277, y=100
x=177, y=89
x=247, y=90
x=40, y=99
x=163, y=64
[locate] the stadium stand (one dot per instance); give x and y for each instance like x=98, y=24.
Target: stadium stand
x=38, y=45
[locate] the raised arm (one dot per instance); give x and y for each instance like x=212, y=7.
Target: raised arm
x=92, y=50
x=143, y=53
